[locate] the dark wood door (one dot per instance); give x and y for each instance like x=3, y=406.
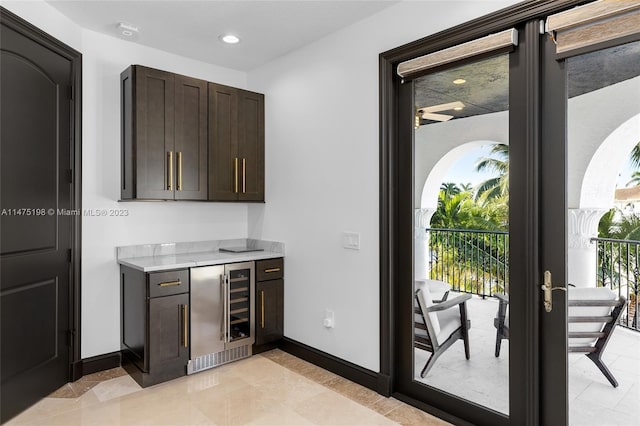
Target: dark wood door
x=270, y=320
x=224, y=164
x=154, y=134
x=168, y=334
x=36, y=243
x=190, y=138
x=251, y=145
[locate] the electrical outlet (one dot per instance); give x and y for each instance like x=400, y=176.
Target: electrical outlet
x=329, y=319
x=351, y=240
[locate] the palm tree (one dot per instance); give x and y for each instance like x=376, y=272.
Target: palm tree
x=635, y=178
x=635, y=156
x=499, y=185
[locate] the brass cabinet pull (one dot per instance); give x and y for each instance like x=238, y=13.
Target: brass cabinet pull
x=170, y=167
x=268, y=271
x=262, y=308
x=185, y=330
x=235, y=163
x=244, y=175
x=179, y=166
x=170, y=283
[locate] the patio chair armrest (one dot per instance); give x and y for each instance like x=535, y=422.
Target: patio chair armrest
x=503, y=298
x=449, y=303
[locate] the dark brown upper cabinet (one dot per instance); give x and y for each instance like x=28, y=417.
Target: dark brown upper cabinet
x=236, y=144
x=164, y=135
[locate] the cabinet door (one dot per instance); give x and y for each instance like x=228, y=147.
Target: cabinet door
x=269, y=321
x=251, y=145
x=190, y=138
x=224, y=179
x=168, y=332
x=154, y=130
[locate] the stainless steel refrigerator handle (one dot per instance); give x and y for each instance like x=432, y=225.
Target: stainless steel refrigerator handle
x=223, y=288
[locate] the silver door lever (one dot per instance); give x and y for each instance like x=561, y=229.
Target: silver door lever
x=547, y=287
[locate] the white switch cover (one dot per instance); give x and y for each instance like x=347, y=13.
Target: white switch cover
x=351, y=240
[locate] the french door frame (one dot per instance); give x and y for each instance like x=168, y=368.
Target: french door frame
x=536, y=222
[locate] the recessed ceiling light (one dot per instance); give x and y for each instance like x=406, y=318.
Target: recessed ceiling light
x=230, y=38
x=459, y=81
x=458, y=108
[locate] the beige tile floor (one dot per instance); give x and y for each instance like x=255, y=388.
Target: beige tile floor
x=273, y=388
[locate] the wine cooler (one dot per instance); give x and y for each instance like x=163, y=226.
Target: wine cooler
x=222, y=314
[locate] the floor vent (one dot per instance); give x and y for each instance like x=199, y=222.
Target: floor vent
x=208, y=361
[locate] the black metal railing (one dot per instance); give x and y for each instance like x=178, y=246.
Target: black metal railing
x=472, y=261
x=617, y=268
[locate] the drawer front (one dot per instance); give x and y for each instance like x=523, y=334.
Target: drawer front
x=270, y=269
x=170, y=282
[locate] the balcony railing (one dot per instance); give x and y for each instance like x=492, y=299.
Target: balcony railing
x=477, y=262
x=617, y=268
x=471, y=261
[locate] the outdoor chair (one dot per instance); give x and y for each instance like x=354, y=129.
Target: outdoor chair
x=592, y=317
x=439, y=289
x=439, y=325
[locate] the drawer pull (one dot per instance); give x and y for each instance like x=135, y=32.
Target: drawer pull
x=268, y=271
x=170, y=283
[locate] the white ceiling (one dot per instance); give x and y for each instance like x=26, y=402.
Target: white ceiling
x=268, y=29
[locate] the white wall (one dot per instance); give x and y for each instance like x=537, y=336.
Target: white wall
x=322, y=171
x=103, y=59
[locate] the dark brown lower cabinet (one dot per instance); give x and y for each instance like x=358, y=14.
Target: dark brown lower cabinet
x=269, y=304
x=155, y=324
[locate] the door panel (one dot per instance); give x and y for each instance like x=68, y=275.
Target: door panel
x=223, y=143
x=461, y=237
x=166, y=332
x=154, y=99
x=191, y=138
x=251, y=145
x=35, y=240
x=207, y=310
x=603, y=144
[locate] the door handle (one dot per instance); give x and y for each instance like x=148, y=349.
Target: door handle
x=235, y=166
x=262, y=308
x=185, y=330
x=548, y=287
x=179, y=167
x=244, y=175
x=170, y=167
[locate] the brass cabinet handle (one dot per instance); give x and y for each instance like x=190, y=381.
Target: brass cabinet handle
x=244, y=175
x=262, y=308
x=235, y=162
x=268, y=271
x=170, y=167
x=179, y=166
x=170, y=283
x=185, y=330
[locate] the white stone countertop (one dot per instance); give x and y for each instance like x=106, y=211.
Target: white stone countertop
x=167, y=256
x=192, y=260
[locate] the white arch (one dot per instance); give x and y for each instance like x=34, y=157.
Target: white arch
x=438, y=146
x=433, y=183
x=599, y=183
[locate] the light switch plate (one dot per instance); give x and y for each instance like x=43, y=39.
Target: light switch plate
x=351, y=240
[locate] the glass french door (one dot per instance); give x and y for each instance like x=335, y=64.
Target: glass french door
x=517, y=255
x=466, y=300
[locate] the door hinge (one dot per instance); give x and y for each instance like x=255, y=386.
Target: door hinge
x=70, y=175
x=71, y=93
x=70, y=337
x=69, y=255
